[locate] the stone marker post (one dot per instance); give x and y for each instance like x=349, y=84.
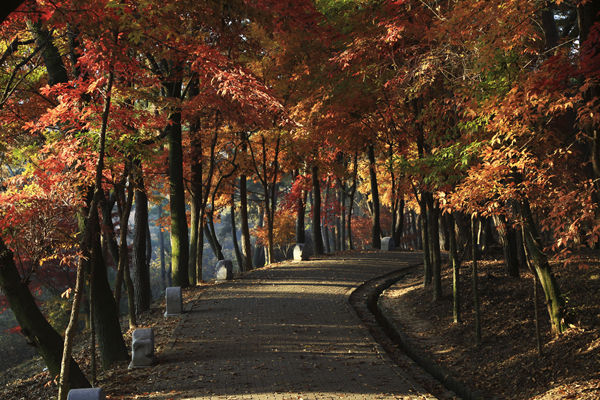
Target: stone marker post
x=86, y=394
x=224, y=270
x=387, y=244
x=174, y=301
x=142, y=348
x=300, y=253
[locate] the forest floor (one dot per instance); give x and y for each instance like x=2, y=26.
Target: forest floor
x=31, y=380
x=506, y=365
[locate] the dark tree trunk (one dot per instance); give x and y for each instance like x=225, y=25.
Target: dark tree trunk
x=474, y=280
x=376, y=226
x=161, y=249
x=508, y=239
x=195, y=221
x=342, y=225
x=434, y=245
x=455, y=263
x=179, y=227
x=399, y=224
x=300, y=211
x=236, y=247
x=141, y=271
x=109, y=241
x=316, y=214
x=110, y=339
x=57, y=73
x=351, y=201
x=425, y=240
x=246, y=245
x=34, y=325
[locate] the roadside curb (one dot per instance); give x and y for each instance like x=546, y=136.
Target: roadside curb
x=375, y=288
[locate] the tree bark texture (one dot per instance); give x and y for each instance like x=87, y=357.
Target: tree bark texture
x=246, y=245
x=375, y=220
x=141, y=270
x=316, y=214
x=539, y=263
x=474, y=282
x=110, y=339
x=179, y=227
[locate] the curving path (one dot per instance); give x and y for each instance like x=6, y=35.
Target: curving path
x=285, y=332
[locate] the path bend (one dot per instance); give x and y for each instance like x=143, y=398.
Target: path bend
x=285, y=332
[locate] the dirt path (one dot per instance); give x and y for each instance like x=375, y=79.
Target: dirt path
x=285, y=332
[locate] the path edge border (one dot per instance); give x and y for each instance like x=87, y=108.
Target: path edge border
x=393, y=331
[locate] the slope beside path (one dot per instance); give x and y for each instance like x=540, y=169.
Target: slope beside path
x=284, y=332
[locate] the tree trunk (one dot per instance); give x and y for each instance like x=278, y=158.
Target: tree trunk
x=342, y=225
x=316, y=214
x=34, y=325
x=161, y=248
x=110, y=339
x=538, y=262
x=376, y=227
x=455, y=262
x=141, y=271
x=195, y=220
x=474, y=280
x=236, y=247
x=434, y=245
x=399, y=225
x=179, y=227
x=425, y=240
x=351, y=201
x=246, y=245
x=508, y=239
x=300, y=211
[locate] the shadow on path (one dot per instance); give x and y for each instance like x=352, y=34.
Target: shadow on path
x=285, y=332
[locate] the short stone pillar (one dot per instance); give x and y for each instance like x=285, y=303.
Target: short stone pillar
x=387, y=244
x=300, y=253
x=173, y=300
x=86, y=394
x=224, y=270
x=142, y=348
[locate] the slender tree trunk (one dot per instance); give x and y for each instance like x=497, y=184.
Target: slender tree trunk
x=399, y=225
x=236, y=247
x=455, y=262
x=427, y=271
x=326, y=243
x=538, y=261
x=474, y=280
x=300, y=211
x=195, y=220
x=342, y=225
x=376, y=227
x=246, y=245
x=316, y=214
x=508, y=239
x=161, y=248
x=351, y=200
x=434, y=245
x=141, y=281
x=211, y=236
x=258, y=251
x=123, y=274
